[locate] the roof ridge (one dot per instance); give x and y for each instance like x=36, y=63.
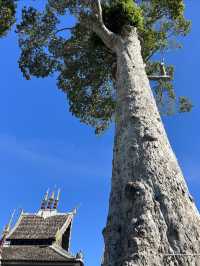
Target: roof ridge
x=66, y=224
x=50, y=216
x=15, y=226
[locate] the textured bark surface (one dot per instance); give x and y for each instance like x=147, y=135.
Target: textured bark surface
x=152, y=218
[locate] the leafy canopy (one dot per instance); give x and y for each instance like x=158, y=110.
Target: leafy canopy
x=84, y=66
x=7, y=15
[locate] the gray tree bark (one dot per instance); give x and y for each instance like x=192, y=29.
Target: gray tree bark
x=152, y=219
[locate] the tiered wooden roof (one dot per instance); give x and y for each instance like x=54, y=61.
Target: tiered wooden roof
x=40, y=238
x=17, y=253
x=33, y=226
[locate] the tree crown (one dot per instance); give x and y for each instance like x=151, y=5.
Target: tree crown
x=7, y=15
x=84, y=64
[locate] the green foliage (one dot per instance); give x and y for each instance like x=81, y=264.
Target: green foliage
x=120, y=13
x=7, y=15
x=85, y=67
x=163, y=90
x=163, y=22
x=172, y=8
x=90, y=95
x=35, y=61
x=185, y=105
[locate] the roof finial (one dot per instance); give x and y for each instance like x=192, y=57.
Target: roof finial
x=80, y=255
x=55, y=206
x=45, y=200
x=7, y=228
x=51, y=200
x=11, y=220
x=74, y=211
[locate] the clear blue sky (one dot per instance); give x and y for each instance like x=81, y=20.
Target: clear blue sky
x=42, y=145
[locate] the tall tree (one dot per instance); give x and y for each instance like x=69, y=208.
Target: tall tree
x=7, y=15
x=103, y=66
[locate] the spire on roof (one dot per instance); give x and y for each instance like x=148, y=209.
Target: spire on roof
x=45, y=200
x=51, y=200
x=55, y=206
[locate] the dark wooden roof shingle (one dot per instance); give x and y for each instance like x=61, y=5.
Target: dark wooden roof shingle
x=33, y=253
x=37, y=227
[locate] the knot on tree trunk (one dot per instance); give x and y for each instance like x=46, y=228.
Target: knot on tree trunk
x=149, y=136
x=134, y=190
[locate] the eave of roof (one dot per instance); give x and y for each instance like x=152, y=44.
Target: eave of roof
x=36, y=253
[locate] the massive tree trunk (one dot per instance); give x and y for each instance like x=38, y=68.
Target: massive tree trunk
x=152, y=218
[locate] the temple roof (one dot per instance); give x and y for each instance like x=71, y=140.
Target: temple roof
x=42, y=237
x=35, y=253
x=34, y=226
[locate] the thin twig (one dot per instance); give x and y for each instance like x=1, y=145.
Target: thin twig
x=63, y=29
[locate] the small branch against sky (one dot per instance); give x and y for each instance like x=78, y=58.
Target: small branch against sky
x=64, y=29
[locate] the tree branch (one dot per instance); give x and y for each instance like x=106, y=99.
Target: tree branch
x=99, y=11
x=108, y=37
x=66, y=28
x=96, y=24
